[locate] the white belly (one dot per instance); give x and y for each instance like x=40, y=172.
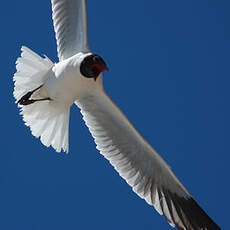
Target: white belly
x=62, y=89
x=66, y=83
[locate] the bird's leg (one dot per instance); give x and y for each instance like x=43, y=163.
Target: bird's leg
x=25, y=100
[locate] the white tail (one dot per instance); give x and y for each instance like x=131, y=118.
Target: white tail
x=46, y=119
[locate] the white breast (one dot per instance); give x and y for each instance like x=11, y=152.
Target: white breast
x=67, y=83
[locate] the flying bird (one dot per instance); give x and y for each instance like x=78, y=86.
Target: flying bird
x=45, y=91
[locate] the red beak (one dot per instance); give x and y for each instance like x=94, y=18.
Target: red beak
x=105, y=68
x=101, y=69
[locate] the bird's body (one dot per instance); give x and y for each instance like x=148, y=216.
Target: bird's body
x=66, y=83
x=45, y=92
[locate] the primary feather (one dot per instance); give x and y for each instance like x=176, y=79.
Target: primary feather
x=139, y=164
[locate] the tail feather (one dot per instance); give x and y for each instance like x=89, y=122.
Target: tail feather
x=31, y=72
x=59, y=141
x=65, y=142
x=53, y=132
x=31, y=55
x=46, y=119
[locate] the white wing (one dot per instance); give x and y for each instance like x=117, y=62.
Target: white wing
x=70, y=25
x=142, y=168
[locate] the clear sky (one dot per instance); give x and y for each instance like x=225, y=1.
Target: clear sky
x=169, y=73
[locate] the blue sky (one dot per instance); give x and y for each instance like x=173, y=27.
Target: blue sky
x=169, y=73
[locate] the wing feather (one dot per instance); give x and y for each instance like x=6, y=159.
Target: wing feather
x=143, y=169
x=70, y=25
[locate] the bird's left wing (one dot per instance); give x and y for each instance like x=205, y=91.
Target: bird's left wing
x=142, y=168
x=70, y=25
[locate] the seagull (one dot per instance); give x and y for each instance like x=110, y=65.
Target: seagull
x=44, y=91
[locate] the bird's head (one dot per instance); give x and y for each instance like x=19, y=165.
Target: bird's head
x=92, y=66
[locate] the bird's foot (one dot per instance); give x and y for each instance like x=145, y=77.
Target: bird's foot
x=25, y=100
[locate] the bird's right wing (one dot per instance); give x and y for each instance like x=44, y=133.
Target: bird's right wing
x=70, y=25
x=143, y=169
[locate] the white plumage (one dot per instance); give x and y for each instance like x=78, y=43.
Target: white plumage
x=46, y=111
x=31, y=72
x=45, y=119
x=139, y=164
x=70, y=25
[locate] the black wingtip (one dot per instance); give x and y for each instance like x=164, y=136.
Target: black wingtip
x=191, y=215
